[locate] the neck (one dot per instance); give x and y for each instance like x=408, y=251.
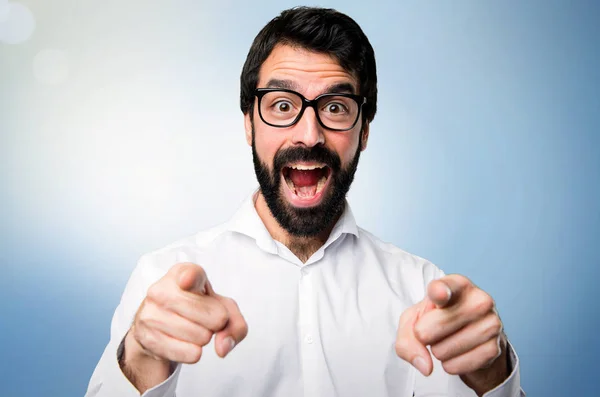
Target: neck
x=302, y=247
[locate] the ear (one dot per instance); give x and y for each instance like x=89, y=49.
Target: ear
x=248, y=128
x=364, y=136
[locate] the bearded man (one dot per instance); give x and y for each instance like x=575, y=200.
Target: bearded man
x=295, y=297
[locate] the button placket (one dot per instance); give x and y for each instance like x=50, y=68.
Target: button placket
x=308, y=347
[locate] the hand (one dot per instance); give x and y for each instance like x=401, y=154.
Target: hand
x=180, y=315
x=460, y=324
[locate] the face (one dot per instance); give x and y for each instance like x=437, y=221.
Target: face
x=305, y=171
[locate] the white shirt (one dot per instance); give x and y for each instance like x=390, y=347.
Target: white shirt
x=323, y=328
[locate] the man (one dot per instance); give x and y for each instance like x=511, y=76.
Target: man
x=296, y=299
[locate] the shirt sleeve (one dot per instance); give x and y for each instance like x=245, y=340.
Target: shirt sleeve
x=108, y=380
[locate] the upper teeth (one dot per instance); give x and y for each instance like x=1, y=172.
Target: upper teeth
x=305, y=167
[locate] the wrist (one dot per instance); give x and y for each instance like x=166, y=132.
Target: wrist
x=143, y=370
x=486, y=379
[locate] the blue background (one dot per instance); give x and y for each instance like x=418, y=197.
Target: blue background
x=483, y=158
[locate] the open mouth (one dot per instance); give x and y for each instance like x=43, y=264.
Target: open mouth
x=306, y=181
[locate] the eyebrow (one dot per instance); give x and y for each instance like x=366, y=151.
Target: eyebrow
x=285, y=84
x=339, y=88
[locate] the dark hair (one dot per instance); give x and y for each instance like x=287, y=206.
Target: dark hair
x=321, y=30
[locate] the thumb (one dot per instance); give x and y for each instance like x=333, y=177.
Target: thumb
x=408, y=346
x=235, y=330
x=191, y=277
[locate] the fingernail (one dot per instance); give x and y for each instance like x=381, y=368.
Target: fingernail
x=448, y=293
x=228, y=345
x=420, y=364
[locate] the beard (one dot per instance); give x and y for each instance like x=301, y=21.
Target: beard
x=311, y=221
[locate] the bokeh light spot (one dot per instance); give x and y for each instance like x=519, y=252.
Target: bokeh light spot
x=16, y=23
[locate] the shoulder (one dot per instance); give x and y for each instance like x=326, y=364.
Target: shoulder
x=154, y=264
x=411, y=271
x=393, y=253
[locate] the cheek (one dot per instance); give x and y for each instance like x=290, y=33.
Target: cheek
x=345, y=146
x=267, y=143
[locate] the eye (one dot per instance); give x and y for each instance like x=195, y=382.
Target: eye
x=335, y=108
x=282, y=106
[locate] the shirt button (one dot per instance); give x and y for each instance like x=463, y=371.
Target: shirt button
x=304, y=272
x=309, y=339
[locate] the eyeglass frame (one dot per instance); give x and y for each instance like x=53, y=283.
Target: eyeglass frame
x=359, y=99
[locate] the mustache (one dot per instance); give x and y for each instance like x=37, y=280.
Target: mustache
x=318, y=154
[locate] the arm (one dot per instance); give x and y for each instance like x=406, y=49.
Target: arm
x=108, y=379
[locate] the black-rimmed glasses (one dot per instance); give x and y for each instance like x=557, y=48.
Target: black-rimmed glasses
x=282, y=108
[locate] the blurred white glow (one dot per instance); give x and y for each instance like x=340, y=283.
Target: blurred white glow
x=4, y=10
x=16, y=23
x=51, y=67
x=133, y=157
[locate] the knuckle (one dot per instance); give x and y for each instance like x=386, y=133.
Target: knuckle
x=243, y=330
x=157, y=293
x=142, y=320
x=462, y=281
x=200, y=272
x=483, y=303
x=450, y=367
x=144, y=317
x=422, y=333
x=438, y=351
x=441, y=351
x=197, y=268
x=148, y=341
x=492, y=349
x=214, y=315
x=193, y=354
x=220, y=318
x=138, y=333
x=487, y=364
x=239, y=330
x=203, y=337
x=495, y=326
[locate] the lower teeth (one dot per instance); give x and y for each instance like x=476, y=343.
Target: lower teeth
x=306, y=191
x=321, y=183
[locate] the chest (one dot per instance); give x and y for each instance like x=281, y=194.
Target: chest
x=322, y=330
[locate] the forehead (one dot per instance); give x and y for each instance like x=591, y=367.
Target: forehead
x=310, y=72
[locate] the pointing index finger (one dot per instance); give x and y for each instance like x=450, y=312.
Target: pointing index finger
x=192, y=278
x=446, y=291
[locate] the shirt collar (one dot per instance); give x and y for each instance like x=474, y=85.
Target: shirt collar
x=246, y=221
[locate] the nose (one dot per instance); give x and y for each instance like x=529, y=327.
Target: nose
x=308, y=131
